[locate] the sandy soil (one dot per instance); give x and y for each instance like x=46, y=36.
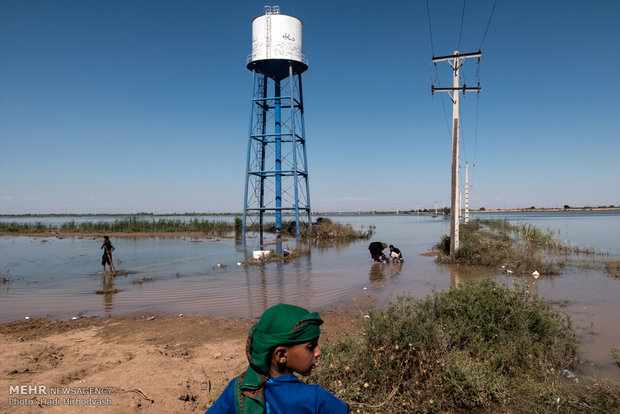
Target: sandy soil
x=138, y=363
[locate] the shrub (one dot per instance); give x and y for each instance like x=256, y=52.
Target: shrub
x=474, y=347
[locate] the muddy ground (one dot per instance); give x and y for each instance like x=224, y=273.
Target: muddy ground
x=140, y=363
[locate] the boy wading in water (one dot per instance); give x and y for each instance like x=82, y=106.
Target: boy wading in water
x=107, y=254
x=284, y=341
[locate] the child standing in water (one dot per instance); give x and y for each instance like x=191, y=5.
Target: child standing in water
x=107, y=254
x=284, y=341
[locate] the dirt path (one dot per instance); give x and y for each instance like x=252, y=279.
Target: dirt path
x=153, y=364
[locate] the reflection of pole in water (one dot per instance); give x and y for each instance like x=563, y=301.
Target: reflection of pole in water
x=280, y=280
x=257, y=288
x=455, y=278
x=107, y=286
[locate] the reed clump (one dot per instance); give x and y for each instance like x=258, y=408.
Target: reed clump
x=479, y=347
x=616, y=354
x=16, y=228
x=142, y=280
x=326, y=229
x=287, y=256
x=132, y=224
x=107, y=291
x=612, y=267
x=322, y=229
x=497, y=243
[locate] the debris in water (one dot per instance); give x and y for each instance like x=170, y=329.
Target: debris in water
x=535, y=274
x=570, y=375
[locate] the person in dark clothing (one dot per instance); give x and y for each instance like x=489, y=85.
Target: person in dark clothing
x=107, y=254
x=376, y=251
x=395, y=254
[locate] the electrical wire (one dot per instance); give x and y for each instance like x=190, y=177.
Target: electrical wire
x=430, y=30
x=461, y=31
x=488, y=24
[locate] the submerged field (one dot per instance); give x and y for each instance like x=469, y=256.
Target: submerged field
x=57, y=276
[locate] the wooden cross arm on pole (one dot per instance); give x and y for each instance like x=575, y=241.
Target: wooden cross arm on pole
x=463, y=88
x=452, y=57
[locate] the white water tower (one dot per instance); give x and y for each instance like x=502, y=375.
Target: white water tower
x=276, y=168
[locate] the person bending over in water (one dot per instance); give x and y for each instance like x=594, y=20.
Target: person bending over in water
x=395, y=254
x=283, y=342
x=376, y=251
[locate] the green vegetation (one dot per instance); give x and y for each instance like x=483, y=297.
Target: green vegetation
x=287, y=257
x=323, y=229
x=238, y=228
x=142, y=280
x=521, y=248
x=326, y=230
x=612, y=266
x=125, y=225
x=107, y=291
x=480, y=346
x=324, y=234
x=616, y=354
x=5, y=277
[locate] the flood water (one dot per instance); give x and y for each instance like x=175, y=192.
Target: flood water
x=60, y=277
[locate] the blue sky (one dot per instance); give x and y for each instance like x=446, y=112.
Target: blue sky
x=130, y=106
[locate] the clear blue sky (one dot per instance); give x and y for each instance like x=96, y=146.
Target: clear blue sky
x=143, y=105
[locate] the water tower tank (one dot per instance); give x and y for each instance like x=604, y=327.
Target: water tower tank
x=276, y=42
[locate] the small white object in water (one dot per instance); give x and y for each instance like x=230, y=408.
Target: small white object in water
x=570, y=375
x=238, y=263
x=509, y=272
x=365, y=288
x=27, y=317
x=535, y=274
x=258, y=254
x=75, y=317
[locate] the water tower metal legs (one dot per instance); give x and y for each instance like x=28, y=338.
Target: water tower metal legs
x=276, y=168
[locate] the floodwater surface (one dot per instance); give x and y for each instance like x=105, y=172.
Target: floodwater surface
x=61, y=277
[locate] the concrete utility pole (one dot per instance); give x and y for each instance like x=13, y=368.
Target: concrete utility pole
x=455, y=61
x=466, y=193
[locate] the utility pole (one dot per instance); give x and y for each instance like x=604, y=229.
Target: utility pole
x=456, y=61
x=466, y=193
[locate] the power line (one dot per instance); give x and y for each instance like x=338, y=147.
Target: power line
x=430, y=31
x=461, y=31
x=488, y=24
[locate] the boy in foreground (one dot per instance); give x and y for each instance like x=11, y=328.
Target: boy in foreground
x=284, y=341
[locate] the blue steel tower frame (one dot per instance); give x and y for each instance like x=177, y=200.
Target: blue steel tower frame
x=276, y=181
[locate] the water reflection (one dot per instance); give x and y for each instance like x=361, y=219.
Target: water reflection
x=395, y=268
x=376, y=272
x=379, y=271
x=107, y=290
